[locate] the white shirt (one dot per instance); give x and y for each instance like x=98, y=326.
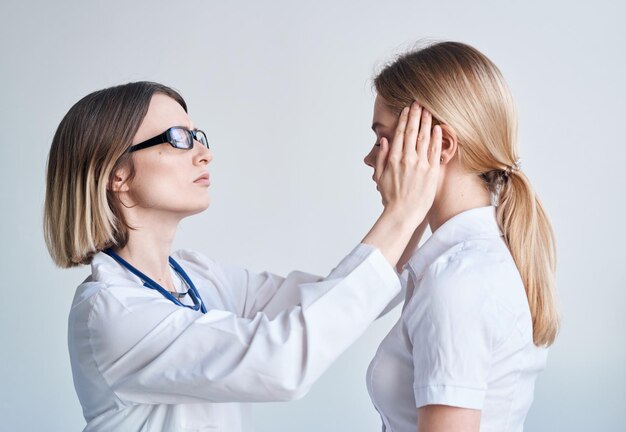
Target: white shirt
x=142, y=363
x=464, y=337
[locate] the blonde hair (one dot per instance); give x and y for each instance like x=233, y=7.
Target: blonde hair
x=81, y=214
x=463, y=89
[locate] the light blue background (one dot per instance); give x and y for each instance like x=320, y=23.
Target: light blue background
x=283, y=91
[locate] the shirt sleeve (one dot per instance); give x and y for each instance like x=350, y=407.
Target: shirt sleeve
x=450, y=323
x=150, y=351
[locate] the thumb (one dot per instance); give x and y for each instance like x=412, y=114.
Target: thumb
x=381, y=158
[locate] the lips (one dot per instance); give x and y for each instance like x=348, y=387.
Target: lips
x=204, y=178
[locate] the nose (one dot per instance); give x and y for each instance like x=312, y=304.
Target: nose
x=203, y=154
x=370, y=158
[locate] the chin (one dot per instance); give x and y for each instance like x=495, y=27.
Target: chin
x=202, y=207
x=198, y=208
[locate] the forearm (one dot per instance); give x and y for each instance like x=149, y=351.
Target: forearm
x=412, y=245
x=391, y=233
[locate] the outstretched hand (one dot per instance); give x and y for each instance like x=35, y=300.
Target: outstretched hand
x=407, y=170
x=406, y=174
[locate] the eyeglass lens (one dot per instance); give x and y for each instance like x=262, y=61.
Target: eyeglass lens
x=201, y=137
x=183, y=138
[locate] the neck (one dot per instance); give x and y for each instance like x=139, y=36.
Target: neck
x=459, y=192
x=148, y=247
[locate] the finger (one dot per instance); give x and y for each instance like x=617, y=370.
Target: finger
x=423, y=140
x=381, y=158
x=435, y=146
x=395, y=150
x=412, y=128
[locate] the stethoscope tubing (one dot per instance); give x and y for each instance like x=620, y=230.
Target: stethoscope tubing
x=198, y=304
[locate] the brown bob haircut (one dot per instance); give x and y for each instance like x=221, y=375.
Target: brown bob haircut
x=81, y=214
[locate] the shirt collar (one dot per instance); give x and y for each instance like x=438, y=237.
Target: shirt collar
x=475, y=223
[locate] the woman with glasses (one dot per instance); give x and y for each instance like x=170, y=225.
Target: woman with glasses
x=480, y=297
x=174, y=341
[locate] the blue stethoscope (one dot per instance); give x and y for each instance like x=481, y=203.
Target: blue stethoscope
x=198, y=304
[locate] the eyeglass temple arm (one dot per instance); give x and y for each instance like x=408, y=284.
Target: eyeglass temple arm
x=163, y=138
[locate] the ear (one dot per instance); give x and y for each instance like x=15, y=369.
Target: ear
x=119, y=180
x=449, y=143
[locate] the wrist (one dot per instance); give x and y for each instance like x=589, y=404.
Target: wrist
x=404, y=218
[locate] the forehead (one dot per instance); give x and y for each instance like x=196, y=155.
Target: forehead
x=383, y=116
x=163, y=113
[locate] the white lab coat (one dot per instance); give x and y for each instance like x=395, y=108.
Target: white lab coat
x=142, y=363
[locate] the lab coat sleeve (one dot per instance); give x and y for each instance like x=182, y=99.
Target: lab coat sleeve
x=150, y=351
x=399, y=298
x=271, y=293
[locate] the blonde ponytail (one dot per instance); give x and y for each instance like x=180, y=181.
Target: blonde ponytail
x=529, y=236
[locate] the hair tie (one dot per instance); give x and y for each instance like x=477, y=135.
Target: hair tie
x=513, y=168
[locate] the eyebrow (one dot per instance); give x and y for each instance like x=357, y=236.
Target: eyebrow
x=187, y=127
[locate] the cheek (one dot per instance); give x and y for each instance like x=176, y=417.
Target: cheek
x=154, y=182
x=166, y=183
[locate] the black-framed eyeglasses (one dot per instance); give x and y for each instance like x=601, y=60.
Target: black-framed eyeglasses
x=177, y=136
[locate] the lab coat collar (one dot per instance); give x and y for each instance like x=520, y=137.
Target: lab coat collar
x=106, y=269
x=471, y=224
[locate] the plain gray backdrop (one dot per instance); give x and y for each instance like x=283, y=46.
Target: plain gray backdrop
x=283, y=90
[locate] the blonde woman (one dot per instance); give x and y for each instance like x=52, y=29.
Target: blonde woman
x=174, y=341
x=480, y=298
